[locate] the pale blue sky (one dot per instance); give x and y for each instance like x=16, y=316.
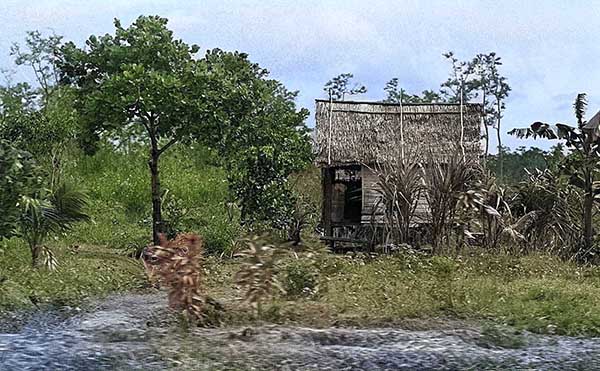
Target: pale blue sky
x=551, y=49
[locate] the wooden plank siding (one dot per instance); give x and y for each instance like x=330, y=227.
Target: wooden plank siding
x=371, y=200
x=327, y=185
x=371, y=207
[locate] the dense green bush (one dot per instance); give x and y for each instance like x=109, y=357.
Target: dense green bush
x=19, y=176
x=300, y=278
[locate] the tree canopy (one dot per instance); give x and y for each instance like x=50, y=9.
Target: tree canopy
x=341, y=85
x=143, y=83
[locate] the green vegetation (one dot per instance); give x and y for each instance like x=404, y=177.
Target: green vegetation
x=143, y=84
x=519, y=163
x=338, y=87
x=19, y=176
x=536, y=292
x=84, y=272
x=581, y=167
x=234, y=158
x=118, y=186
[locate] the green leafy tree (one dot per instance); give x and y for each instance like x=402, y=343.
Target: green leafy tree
x=138, y=82
x=43, y=133
x=39, y=119
x=17, y=111
x=395, y=94
x=500, y=90
x=482, y=67
x=142, y=83
x=459, y=87
x=41, y=54
x=268, y=148
x=19, y=177
x=582, y=167
x=480, y=75
x=341, y=85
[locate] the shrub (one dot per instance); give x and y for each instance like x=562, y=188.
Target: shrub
x=300, y=278
x=257, y=272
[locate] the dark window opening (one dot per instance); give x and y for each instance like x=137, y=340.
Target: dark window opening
x=347, y=195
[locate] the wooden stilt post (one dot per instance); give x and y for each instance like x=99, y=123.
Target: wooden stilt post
x=327, y=187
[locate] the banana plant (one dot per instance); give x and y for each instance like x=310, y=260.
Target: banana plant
x=582, y=167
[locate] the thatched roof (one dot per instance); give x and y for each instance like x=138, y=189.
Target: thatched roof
x=593, y=125
x=369, y=132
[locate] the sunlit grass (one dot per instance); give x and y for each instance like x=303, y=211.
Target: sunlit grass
x=88, y=271
x=536, y=292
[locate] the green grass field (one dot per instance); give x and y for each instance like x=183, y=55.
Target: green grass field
x=537, y=293
x=88, y=271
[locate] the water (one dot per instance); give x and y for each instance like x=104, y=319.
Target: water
x=129, y=332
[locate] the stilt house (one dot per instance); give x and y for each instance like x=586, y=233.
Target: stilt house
x=354, y=137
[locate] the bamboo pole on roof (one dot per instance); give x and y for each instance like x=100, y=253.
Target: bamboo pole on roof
x=329, y=136
x=364, y=131
x=401, y=127
x=462, y=123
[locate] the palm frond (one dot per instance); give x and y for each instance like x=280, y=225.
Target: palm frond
x=69, y=204
x=579, y=107
x=50, y=262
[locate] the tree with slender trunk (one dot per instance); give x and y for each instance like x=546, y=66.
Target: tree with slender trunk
x=340, y=86
x=499, y=89
x=481, y=66
x=41, y=54
x=459, y=88
x=143, y=84
x=140, y=81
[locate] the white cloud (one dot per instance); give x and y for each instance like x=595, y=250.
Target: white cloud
x=549, y=48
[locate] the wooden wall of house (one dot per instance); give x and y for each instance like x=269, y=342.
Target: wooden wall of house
x=373, y=209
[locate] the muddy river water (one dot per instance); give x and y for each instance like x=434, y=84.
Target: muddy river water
x=123, y=333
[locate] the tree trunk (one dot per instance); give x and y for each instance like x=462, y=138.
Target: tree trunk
x=500, y=164
x=588, y=205
x=35, y=256
x=487, y=132
x=157, y=222
x=294, y=234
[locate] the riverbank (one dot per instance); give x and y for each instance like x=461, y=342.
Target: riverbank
x=536, y=293
x=128, y=331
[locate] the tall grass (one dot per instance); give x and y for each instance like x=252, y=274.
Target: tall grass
x=196, y=197
x=83, y=272
x=538, y=292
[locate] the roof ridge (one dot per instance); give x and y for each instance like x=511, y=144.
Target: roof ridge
x=395, y=104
